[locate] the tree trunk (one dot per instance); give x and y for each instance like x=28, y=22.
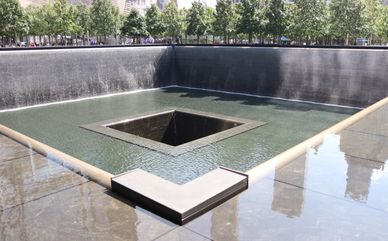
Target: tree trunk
x=198, y=37
x=15, y=37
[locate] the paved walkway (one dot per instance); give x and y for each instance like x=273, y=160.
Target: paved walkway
x=336, y=191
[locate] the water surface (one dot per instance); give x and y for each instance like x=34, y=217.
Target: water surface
x=288, y=123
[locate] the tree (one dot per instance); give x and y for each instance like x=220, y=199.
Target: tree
x=370, y=14
x=60, y=26
x=225, y=19
x=134, y=25
x=153, y=18
x=11, y=16
x=22, y=25
x=346, y=20
x=276, y=15
x=209, y=20
x=42, y=20
x=84, y=21
x=65, y=22
x=310, y=19
x=196, y=24
x=382, y=24
x=291, y=23
x=37, y=23
x=173, y=20
x=249, y=18
x=49, y=16
x=105, y=18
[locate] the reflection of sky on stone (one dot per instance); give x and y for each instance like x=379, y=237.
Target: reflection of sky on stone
x=378, y=174
x=327, y=156
x=357, y=179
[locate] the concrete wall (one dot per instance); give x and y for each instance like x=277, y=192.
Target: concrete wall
x=354, y=77
x=31, y=77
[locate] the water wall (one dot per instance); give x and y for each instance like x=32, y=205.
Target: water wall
x=29, y=77
x=354, y=77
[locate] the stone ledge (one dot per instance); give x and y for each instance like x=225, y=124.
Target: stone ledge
x=179, y=203
x=101, y=128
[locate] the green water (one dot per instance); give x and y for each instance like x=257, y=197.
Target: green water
x=288, y=123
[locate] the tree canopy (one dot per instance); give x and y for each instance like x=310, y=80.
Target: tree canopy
x=225, y=19
x=134, y=25
x=153, y=21
x=346, y=19
x=310, y=19
x=196, y=20
x=173, y=20
x=266, y=21
x=105, y=17
x=276, y=15
x=11, y=18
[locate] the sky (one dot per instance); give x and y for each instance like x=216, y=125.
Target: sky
x=187, y=3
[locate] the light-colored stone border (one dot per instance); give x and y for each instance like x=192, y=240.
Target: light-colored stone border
x=101, y=127
x=180, y=203
x=287, y=156
x=85, y=169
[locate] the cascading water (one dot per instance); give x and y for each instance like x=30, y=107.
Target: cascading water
x=32, y=77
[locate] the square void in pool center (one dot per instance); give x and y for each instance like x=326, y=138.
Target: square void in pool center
x=174, y=131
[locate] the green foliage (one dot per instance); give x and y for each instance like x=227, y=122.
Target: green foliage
x=134, y=25
x=276, y=15
x=153, y=18
x=11, y=18
x=105, y=17
x=382, y=24
x=209, y=20
x=225, y=19
x=173, y=20
x=196, y=24
x=48, y=14
x=310, y=19
x=305, y=20
x=250, y=18
x=346, y=20
x=22, y=25
x=83, y=19
x=372, y=10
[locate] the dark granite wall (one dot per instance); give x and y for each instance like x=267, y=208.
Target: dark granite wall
x=29, y=77
x=353, y=77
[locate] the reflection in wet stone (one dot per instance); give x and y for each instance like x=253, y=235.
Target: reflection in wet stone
x=286, y=198
x=219, y=230
x=371, y=147
x=358, y=179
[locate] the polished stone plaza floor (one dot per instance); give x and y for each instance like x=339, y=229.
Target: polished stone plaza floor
x=336, y=191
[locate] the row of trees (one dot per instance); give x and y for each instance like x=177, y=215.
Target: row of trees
x=260, y=21
x=58, y=19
